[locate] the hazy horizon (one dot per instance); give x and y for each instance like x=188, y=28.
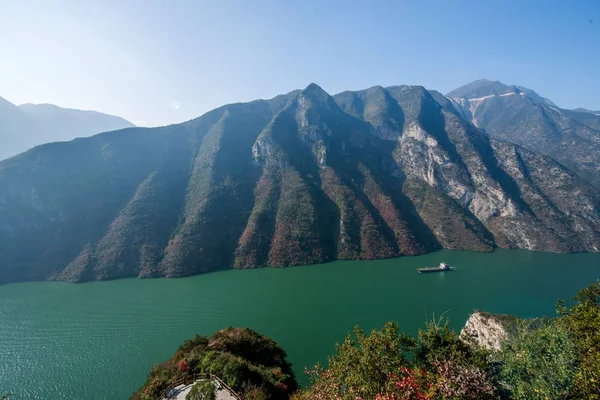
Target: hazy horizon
x=162, y=63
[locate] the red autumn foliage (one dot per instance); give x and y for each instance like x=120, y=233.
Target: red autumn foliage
x=410, y=384
x=183, y=366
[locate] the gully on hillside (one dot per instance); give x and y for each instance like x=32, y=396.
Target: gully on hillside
x=298, y=179
x=521, y=116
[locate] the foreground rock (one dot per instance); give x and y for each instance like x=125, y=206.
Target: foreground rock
x=487, y=330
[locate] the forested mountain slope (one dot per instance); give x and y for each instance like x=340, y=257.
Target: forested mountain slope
x=302, y=178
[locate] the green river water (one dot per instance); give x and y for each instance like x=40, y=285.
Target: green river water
x=99, y=340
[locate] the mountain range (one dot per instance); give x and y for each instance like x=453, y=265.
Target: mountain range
x=29, y=125
x=521, y=116
x=302, y=178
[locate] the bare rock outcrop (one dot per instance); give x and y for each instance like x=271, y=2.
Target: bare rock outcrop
x=486, y=330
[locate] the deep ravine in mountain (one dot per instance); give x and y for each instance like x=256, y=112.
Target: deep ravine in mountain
x=521, y=116
x=299, y=179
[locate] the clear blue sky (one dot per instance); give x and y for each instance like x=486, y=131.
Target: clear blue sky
x=162, y=61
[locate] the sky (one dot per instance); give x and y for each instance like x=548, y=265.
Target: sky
x=156, y=62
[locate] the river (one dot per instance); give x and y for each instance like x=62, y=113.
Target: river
x=99, y=340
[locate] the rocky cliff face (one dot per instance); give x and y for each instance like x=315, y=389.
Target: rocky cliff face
x=521, y=116
x=486, y=330
x=302, y=178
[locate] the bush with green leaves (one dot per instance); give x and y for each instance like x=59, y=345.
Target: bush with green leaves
x=582, y=322
x=391, y=365
x=538, y=362
x=362, y=363
x=204, y=390
x=245, y=360
x=438, y=343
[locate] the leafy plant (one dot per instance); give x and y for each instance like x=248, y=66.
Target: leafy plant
x=245, y=360
x=363, y=363
x=439, y=343
x=582, y=322
x=204, y=390
x=538, y=362
x=456, y=381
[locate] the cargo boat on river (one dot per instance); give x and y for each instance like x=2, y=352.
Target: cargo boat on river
x=443, y=267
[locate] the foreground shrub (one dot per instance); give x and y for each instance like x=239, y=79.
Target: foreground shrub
x=363, y=363
x=456, y=381
x=538, y=362
x=582, y=322
x=438, y=343
x=245, y=360
x=204, y=390
x=388, y=365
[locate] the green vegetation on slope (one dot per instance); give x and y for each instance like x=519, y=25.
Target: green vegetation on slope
x=251, y=364
x=537, y=362
x=582, y=323
x=542, y=359
x=539, y=359
x=456, y=228
x=299, y=179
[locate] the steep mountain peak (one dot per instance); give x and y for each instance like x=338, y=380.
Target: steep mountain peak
x=314, y=90
x=376, y=106
x=482, y=89
x=415, y=89
x=519, y=115
x=315, y=93
x=414, y=100
x=314, y=96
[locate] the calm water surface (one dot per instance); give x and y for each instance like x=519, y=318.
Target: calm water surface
x=99, y=340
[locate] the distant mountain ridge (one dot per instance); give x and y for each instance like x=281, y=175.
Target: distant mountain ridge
x=521, y=116
x=484, y=88
x=584, y=110
x=28, y=125
x=302, y=178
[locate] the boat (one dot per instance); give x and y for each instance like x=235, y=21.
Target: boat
x=443, y=267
